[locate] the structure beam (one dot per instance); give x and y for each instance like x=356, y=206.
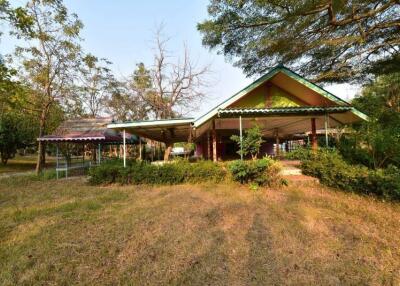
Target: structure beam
x=314, y=143
x=124, y=144
x=277, y=149
x=241, y=137
x=326, y=130
x=214, y=142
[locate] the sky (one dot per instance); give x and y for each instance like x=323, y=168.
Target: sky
x=122, y=31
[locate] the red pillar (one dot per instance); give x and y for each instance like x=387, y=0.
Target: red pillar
x=208, y=146
x=214, y=142
x=314, y=143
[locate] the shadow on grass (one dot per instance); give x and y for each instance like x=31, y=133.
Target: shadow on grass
x=262, y=261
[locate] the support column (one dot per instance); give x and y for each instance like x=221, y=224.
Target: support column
x=214, y=142
x=57, y=161
x=314, y=143
x=140, y=149
x=277, y=149
x=208, y=146
x=124, y=142
x=99, y=158
x=168, y=149
x=241, y=137
x=326, y=130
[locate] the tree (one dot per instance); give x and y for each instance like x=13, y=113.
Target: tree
x=376, y=142
x=250, y=143
x=49, y=59
x=332, y=40
x=16, y=17
x=170, y=88
x=127, y=98
x=9, y=137
x=97, y=83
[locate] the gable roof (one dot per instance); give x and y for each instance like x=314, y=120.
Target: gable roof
x=279, y=69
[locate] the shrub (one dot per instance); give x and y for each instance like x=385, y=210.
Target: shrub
x=250, y=143
x=333, y=171
x=263, y=172
x=109, y=172
x=145, y=173
x=301, y=153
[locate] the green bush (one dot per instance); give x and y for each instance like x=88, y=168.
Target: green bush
x=108, y=172
x=145, y=173
x=263, y=172
x=333, y=171
x=301, y=153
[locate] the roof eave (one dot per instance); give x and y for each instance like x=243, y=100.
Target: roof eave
x=164, y=123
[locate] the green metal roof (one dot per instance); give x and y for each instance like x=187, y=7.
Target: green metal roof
x=205, y=117
x=301, y=110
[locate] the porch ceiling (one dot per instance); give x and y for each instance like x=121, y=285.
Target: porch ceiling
x=168, y=131
x=287, y=120
x=286, y=126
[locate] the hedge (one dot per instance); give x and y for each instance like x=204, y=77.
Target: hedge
x=333, y=171
x=145, y=173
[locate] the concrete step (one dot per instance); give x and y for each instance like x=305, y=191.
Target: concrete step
x=290, y=171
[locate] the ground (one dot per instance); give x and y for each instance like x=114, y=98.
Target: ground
x=22, y=164
x=67, y=232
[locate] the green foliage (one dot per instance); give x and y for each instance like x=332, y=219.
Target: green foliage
x=48, y=59
x=145, y=173
x=251, y=142
x=16, y=131
x=9, y=138
x=262, y=172
x=325, y=40
x=16, y=17
x=97, y=84
x=301, y=153
x=376, y=142
x=333, y=171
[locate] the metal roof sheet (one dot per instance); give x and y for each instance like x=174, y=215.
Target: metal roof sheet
x=284, y=110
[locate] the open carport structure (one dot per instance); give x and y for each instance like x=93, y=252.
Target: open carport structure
x=85, y=134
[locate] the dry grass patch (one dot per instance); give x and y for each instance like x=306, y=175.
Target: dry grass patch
x=66, y=232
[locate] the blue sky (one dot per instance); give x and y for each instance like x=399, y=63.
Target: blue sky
x=122, y=30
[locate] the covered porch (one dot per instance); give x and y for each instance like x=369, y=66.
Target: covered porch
x=283, y=129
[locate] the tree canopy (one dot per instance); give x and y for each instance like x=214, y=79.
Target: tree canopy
x=329, y=41
x=376, y=142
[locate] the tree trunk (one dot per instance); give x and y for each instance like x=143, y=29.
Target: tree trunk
x=167, y=151
x=41, y=145
x=4, y=160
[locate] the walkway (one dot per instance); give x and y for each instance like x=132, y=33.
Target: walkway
x=291, y=171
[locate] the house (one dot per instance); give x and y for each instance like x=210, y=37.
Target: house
x=284, y=104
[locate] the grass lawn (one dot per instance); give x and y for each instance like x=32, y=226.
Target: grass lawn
x=23, y=164
x=66, y=232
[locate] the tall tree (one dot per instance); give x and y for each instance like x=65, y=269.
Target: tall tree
x=127, y=99
x=49, y=58
x=178, y=86
x=172, y=86
x=328, y=40
x=97, y=83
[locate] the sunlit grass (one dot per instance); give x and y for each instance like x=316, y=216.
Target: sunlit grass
x=66, y=232
x=23, y=164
